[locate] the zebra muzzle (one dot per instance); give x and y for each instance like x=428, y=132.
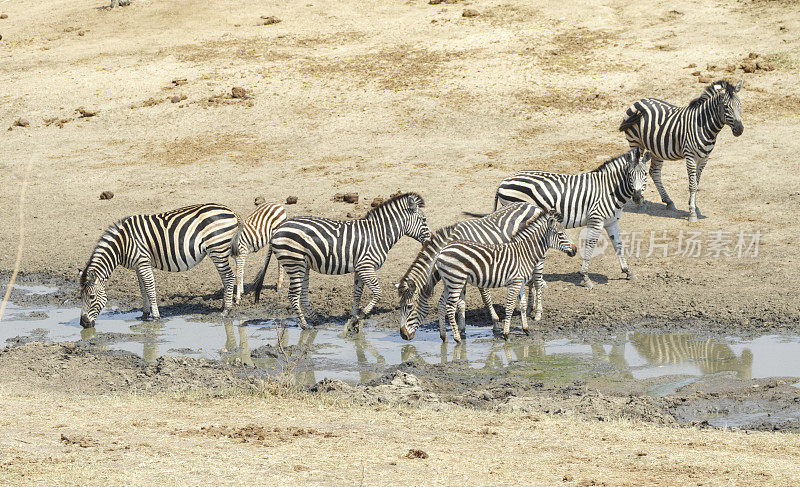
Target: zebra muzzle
x=638, y=197
x=86, y=322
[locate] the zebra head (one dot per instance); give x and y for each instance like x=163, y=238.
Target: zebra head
x=409, y=317
x=93, y=297
x=416, y=226
x=637, y=172
x=557, y=235
x=729, y=106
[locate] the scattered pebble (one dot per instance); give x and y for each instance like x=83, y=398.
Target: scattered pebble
x=179, y=81
x=468, y=12
x=351, y=198
x=86, y=113
x=106, y=195
x=260, y=200
x=696, y=73
x=175, y=99
x=415, y=453
x=291, y=200
x=376, y=202
x=567, y=478
x=270, y=19
x=3, y=16
x=693, y=65
x=704, y=79
x=239, y=92
x=21, y=122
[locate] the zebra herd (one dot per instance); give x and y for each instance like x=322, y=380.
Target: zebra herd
x=505, y=248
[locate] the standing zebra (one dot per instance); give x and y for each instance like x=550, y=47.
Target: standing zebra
x=672, y=133
x=254, y=235
x=341, y=247
x=172, y=241
x=488, y=266
x=419, y=281
x=594, y=199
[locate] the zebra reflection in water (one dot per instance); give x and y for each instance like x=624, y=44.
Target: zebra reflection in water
x=709, y=356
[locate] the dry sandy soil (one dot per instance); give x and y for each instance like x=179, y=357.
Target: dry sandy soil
x=398, y=95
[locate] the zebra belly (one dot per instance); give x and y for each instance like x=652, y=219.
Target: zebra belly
x=179, y=266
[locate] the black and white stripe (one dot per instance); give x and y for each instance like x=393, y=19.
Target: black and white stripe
x=707, y=354
x=672, y=133
x=501, y=265
x=594, y=199
x=417, y=285
x=340, y=247
x=254, y=235
x=172, y=241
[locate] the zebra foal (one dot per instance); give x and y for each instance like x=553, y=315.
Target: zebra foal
x=340, y=247
x=594, y=199
x=672, y=133
x=489, y=266
x=172, y=241
x=417, y=285
x=254, y=235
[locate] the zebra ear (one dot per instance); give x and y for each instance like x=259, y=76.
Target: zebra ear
x=738, y=86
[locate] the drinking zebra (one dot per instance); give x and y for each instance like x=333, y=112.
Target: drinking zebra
x=254, y=235
x=488, y=266
x=172, y=241
x=341, y=247
x=594, y=199
x=419, y=281
x=672, y=133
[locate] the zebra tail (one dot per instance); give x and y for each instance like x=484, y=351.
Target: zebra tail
x=630, y=121
x=259, y=282
x=481, y=215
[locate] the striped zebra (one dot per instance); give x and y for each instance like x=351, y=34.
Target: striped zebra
x=708, y=355
x=672, y=133
x=172, y=241
x=489, y=266
x=594, y=199
x=254, y=235
x=340, y=247
x=419, y=281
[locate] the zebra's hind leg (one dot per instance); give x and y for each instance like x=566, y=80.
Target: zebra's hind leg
x=228, y=279
x=442, y=315
x=511, y=303
x=240, y=260
x=523, y=305
x=655, y=175
x=279, y=285
x=592, y=234
x=462, y=318
x=147, y=284
x=612, y=229
x=297, y=275
x=313, y=315
x=353, y=324
x=487, y=301
x=452, y=304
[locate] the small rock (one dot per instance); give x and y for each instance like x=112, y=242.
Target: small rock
x=106, y=195
x=260, y=200
x=82, y=33
x=270, y=19
x=3, y=16
x=86, y=113
x=434, y=2
x=1, y=37
x=765, y=66
x=730, y=68
x=376, y=202
x=703, y=79
x=711, y=67
x=21, y=122
x=239, y=92
x=350, y=214
x=696, y=73
x=468, y=12
x=338, y=197
x=753, y=55
x=291, y=200
x=351, y=198
x=693, y=65
x=749, y=67
x=179, y=81
x=416, y=453
x=567, y=478
x=175, y=99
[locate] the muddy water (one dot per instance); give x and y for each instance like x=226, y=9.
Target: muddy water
x=327, y=352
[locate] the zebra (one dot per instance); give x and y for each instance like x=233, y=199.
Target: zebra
x=172, y=241
x=593, y=199
x=708, y=355
x=340, y=247
x=417, y=285
x=671, y=133
x=254, y=235
x=489, y=266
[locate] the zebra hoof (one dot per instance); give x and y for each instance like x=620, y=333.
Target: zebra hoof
x=671, y=206
x=587, y=283
x=692, y=218
x=353, y=325
x=632, y=276
x=537, y=317
x=145, y=317
x=505, y=336
x=527, y=331
x=225, y=312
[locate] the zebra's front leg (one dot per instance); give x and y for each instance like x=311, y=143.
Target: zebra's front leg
x=691, y=169
x=147, y=284
x=442, y=315
x=612, y=229
x=655, y=175
x=353, y=324
x=592, y=234
x=222, y=264
x=701, y=164
x=487, y=301
x=535, y=304
x=453, y=297
x=313, y=315
x=367, y=274
x=240, y=259
x=511, y=302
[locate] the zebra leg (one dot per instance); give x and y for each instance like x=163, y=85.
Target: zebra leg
x=352, y=325
x=228, y=279
x=313, y=315
x=240, y=274
x=701, y=164
x=487, y=301
x=442, y=315
x=612, y=229
x=297, y=275
x=538, y=285
x=523, y=308
x=592, y=234
x=462, y=317
x=453, y=298
x=279, y=286
x=145, y=297
x=148, y=283
x=691, y=168
x=511, y=303
x=655, y=174
x=367, y=274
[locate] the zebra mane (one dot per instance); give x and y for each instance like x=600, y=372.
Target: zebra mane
x=530, y=223
x=608, y=163
x=425, y=256
x=113, y=229
x=712, y=90
x=414, y=197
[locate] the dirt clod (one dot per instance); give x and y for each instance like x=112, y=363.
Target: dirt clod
x=692, y=65
x=749, y=67
x=81, y=441
x=179, y=81
x=106, y=195
x=21, y=122
x=291, y=200
x=239, y=92
x=269, y=19
x=416, y=453
x=469, y=12
x=175, y=99
x=704, y=79
x=3, y=16
x=351, y=198
x=85, y=113
x=376, y=202
x=259, y=200
x=567, y=478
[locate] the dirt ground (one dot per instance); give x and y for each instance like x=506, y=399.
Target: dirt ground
x=344, y=97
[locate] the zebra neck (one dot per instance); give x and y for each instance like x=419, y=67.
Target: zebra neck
x=622, y=190
x=420, y=269
x=108, y=253
x=708, y=120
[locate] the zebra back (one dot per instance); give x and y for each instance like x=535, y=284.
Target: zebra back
x=258, y=227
